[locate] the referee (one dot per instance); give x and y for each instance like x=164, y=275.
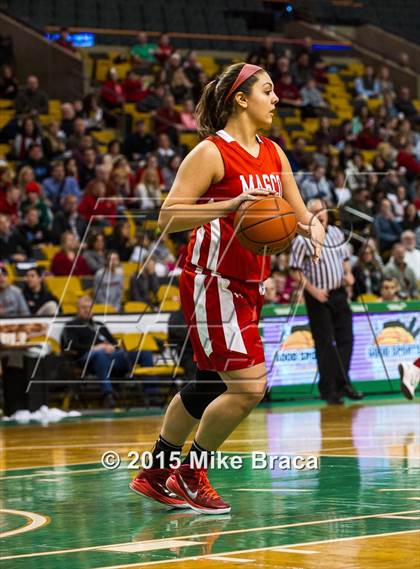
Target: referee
x=330, y=317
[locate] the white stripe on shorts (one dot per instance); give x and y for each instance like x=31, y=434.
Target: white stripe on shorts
x=231, y=330
x=200, y=312
x=197, y=245
x=214, y=244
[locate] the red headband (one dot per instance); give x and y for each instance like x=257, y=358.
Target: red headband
x=245, y=73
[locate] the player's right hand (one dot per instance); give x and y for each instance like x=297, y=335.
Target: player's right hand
x=252, y=195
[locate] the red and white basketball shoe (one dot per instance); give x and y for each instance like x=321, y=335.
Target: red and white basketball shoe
x=193, y=486
x=151, y=482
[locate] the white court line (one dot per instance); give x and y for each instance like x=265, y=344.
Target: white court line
x=290, y=550
x=216, y=533
x=139, y=547
x=257, y=549
x=398, y=489
x=35, y=521
x=232, y=559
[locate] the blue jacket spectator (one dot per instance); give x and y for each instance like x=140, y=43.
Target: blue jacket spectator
x=367, y=86
x=387, y=230
x=59, y=185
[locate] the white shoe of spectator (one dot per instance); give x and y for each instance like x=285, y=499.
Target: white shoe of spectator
x=410, y=377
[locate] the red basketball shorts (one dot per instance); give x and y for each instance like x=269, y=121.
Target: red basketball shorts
x=222, y=317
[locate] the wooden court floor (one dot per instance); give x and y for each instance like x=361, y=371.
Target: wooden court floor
x=60, y=508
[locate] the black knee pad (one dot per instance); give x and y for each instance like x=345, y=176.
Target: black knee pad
x=198, y=394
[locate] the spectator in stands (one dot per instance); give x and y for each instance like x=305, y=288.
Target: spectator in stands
x=143, y=248
x=368, y=137
x=64, y=40
x=367, y=86
x=164, y=151
x=399, y=202
x=145, y=284
x=276, y=136
x=12, y=301
x=180, y=85
x=94, y=346
x=404, y=103
x=108, y=284
x=298, y=157
x=301, y=70
x=121, y=240
x=285, y=286
x=39, y=299
x=93, y=113
x=164, y=49
x=132, y=87
x=260, y=54
x=87, y=169
x=119, y=186
x=168, y=120
x=387, y=230
x=187, y=115
x=10, y=203
x=388, y=290
x=357, y=216
x=151, y=166
x=71, y=167
x=406, y=158
x=69, y=261
x=13, y=248
x=148, y=191
x=398, y=269
x=58, y=185
x=367, y=273
x=54, y=141
x=29, y=134
x=316, y=186
x=32, y=98
x=67, y=119
x=139, y=142
x=68, y=219
x=171, y=171
x=78, y=132
x=386, y=84
x=95, y=254
x=411, y=218
x=287, y=92
x=153, y=100
x=33, y=198
x=356, y=171
x=282, y=68
x=8, y=83
x=37, y=161
x=95, y=206
x=112, y=94
x=143, y=53
x=313, y=105
x=412, y=254
x=25, y=176
x=32, y=230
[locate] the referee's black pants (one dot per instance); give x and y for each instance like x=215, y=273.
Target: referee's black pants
x=332, y=331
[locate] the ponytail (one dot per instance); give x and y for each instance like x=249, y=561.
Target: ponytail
x=215, y=107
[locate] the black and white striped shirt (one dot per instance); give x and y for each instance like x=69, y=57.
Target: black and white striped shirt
x=328, y=273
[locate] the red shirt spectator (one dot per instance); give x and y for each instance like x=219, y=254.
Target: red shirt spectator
x=167, y=117
x=406, y=158
x=9, y=203
x=112, y=93
x=287, y=91
x=95, y=204
x=133, y=88
x=163, y=49
x=66, y=261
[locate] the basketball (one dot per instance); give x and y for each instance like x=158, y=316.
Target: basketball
x=266, y=226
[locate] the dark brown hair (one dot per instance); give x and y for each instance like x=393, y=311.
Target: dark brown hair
x=213, y=110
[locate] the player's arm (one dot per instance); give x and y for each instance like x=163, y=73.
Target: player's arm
x=308, y=224
x=198, y=171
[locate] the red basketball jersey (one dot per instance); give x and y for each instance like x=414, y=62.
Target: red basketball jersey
x=214, y=246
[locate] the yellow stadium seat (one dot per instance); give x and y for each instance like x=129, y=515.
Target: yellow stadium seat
x=190, y=139
x=170, y=305
x=50, y=250
x=136, y=307
x=167, y=292
x=367, y=298
x=105, y=136
x=103, y=309
x=66, y=289
x=4, y=150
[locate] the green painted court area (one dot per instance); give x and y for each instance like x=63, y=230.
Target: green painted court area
x=84, y=516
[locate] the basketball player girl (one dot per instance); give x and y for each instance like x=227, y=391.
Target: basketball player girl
x=221, y=284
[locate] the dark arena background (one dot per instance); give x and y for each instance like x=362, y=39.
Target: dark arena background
x=97, y=113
